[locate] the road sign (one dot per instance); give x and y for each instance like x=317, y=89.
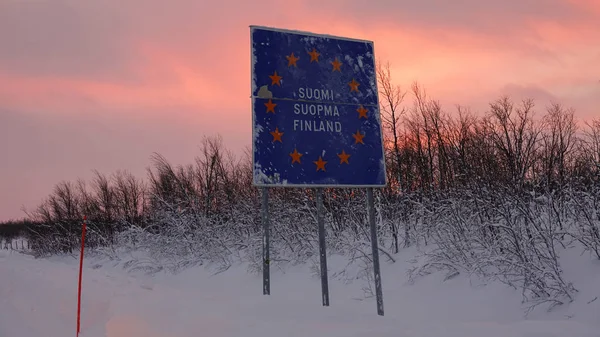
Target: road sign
x=315, y=111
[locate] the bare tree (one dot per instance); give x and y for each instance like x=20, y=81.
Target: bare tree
x=391, y=98
x=515, y=135
x=129, y=196
x=558, y=138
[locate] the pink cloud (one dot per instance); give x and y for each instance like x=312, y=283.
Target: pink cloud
x=102, y=84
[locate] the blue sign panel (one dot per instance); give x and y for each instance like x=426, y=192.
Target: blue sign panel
x=315, y=111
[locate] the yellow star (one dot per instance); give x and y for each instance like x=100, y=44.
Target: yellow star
x=270, y=106
x=292, y=60
x=336, y=65
x=320, y=164
x=358, y=138
x=314, y=55
x=344, y=157
x=296, y=156
x=277, y=135
x=353, y=85
x=275, y=79
x=362, y=112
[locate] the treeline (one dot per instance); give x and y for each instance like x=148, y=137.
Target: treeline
x=108, y=203
x=13, y=229
x=496, y=195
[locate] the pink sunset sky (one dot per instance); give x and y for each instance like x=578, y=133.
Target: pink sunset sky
x=102, y=84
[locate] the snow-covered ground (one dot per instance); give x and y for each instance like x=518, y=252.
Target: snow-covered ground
x=38, y=298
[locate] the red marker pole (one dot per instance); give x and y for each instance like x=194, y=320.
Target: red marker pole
x=83, y=227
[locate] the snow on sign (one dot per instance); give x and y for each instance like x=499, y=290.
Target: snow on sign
x=315, y=111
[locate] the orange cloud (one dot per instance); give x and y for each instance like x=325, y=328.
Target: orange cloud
x=193, y=57
x=150, y=72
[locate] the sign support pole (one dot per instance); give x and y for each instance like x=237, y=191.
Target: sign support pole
x=375, y=251
x=83, y=229
x=322, y=248
x=266, y=263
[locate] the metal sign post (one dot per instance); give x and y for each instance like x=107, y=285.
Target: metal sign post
x=322, y=248
x=266, y=263
x=315, y=119
x=375, y=251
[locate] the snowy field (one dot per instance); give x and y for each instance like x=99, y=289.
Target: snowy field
x=38, y=298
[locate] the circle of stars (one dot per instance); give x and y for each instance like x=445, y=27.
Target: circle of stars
x=296, y=156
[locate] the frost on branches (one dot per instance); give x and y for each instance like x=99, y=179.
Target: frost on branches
x=498, y=198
